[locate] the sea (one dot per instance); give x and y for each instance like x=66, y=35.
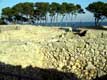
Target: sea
x=71, y=24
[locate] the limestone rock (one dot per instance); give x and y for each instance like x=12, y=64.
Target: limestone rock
x=90, y=66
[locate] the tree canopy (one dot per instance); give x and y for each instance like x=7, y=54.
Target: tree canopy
x=40, y=11
x=99, y=9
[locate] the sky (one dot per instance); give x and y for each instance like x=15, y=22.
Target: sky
x=80, y=17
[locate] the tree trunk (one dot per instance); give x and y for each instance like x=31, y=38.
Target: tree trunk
x=57, y=17
x=54, y=18
x=46, y=19
x=62, y=18
x=71, y=17
x=51, y=18
x=97, y=22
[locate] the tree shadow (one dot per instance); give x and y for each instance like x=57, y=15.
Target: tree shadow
x=66, y=29
x=10, y=72
x=81, y=31
x=94, y=28
x=101, y=78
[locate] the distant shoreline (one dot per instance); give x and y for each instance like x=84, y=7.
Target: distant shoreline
x=71, y=24
x=64, y=24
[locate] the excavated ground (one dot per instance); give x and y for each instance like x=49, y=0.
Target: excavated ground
x=54, y=47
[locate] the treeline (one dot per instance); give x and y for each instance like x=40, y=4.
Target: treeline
x=42, y=12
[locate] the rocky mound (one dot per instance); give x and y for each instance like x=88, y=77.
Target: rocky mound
x=57, y=48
